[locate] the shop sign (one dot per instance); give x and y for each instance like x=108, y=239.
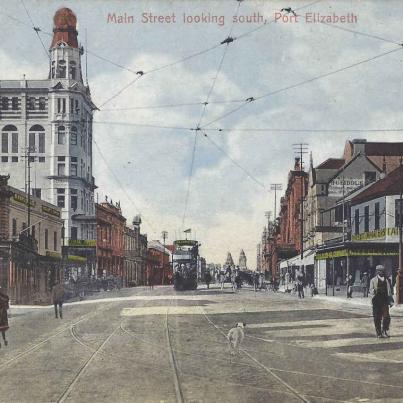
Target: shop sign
x=76, y=259
x=336, y=187
x=54, y=255
x=378, y=234
x=355, y=252
x=83, y=242
x=51, y=211
x=24, y=200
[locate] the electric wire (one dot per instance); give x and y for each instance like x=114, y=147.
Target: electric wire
x=244, y=170
x=200, y=120
x=300, y=83
x=361, y=33
x=117, y=180
x=35, y=29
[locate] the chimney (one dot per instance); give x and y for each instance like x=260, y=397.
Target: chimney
x=359, y=146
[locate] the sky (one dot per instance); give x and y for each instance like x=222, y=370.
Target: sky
x=148, y=168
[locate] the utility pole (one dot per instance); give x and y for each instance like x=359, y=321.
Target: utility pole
x=27, y=156
x=275, y=187
x=266, y=242
x=399, y=279
x=300, y=149
x=164, y=235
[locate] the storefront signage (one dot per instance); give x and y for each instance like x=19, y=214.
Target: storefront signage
x=83, y=242
x=355, y=252
x=55, y=255
x=24, y=200
x=378, y=234
x=336, y=187
x=51, y=211
x=76, y=259
x=185, y=242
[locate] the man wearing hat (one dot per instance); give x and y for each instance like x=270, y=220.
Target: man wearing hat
x=381, y=293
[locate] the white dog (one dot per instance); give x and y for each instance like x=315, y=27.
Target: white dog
x=235, y=337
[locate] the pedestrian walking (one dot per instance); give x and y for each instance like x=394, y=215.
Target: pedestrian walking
x=150, y=278
x=380, y=290
x=222, y=280
x=300, y=283
x=208, y=279
x=58, y=299
x=4, y=306
x=233, y=282
x=349, y=282
x=364, y=284
x=235, y=337
x=255, y=281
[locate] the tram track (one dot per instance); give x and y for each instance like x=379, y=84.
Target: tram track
x=290, y=388
x=64, y=396
x=38, y=345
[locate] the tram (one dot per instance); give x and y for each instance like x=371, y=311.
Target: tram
x=185, y=260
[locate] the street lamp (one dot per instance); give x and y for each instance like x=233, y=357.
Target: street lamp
x=399, y=279
x=164, y=235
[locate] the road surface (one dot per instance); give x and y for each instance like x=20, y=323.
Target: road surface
x=138, y=345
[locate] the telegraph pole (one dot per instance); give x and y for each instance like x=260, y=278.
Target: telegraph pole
x=164, y=235
x=300, y=149
x=399, y=279
x=275, y=187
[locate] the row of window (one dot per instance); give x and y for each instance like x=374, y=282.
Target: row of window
x=33, y=233
x=377, y=216
x=85, y=199
x=36, y=138
x=59, y=69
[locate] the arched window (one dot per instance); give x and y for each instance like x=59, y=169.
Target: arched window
x=61, y=69
x=73, y=136
x=9, y=133
x=61, y=135
x=39, y=132
x=72, y=70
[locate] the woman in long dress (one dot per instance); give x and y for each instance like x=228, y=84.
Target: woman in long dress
x=4, y=306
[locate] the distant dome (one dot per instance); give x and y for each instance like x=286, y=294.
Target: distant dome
x=136, y=220
x=64, y=30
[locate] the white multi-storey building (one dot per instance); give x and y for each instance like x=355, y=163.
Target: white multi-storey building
x=46, y=136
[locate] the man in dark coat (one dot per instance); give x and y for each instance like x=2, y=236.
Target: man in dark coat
x=4, y=306
x=58, y=299
x=380, y=290
x=208, y=279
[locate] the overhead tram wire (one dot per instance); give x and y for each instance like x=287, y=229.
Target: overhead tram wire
x=171, y=105
x=248, y=174
x=36, y=29
x=121, y=186
x=142, y=125
x=260, y=129
x=272, y=20
x=197, y=128
x=353, y=31
x=289, y=87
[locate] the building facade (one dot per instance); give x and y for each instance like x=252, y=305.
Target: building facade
x=134, y=255
x=110, y=239
x=30, y=246
x=283, y=236
x=46, y=138
x=158, y=263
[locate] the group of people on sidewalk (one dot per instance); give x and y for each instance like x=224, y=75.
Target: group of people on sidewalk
x=380, y=290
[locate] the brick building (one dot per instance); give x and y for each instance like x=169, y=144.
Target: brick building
x=284, y=235
x=110, y=235
x=158, y=263
x=30, y=246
